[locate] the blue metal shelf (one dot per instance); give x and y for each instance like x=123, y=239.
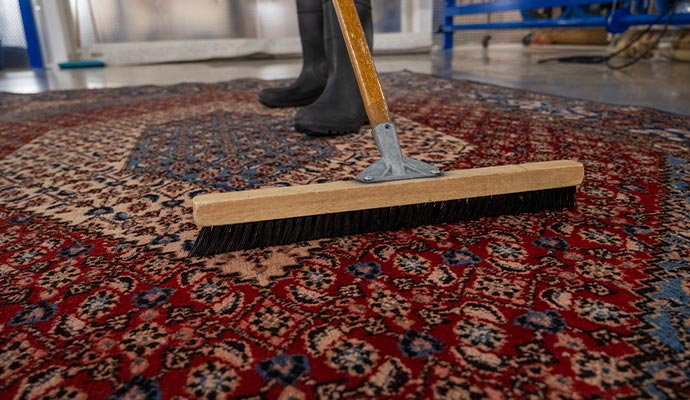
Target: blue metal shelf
x=33, y=44
x=616, y=21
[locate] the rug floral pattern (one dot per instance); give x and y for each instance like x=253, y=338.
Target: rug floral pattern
x=98, y=297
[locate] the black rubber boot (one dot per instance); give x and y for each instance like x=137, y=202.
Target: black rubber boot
x=312, y=80
x=339, y=109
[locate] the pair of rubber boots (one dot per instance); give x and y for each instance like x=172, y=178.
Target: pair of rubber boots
x=326, y=87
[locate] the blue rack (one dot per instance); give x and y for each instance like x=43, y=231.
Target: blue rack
x=33, y=45
x=616, y=20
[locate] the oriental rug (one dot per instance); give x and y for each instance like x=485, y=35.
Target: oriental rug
x=98, y=298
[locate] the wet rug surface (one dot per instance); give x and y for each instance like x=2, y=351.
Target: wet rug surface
x=98, y=298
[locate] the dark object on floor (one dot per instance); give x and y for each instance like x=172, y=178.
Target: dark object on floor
x=577, y=59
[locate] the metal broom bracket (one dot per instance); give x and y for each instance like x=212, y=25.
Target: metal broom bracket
x=393, y=166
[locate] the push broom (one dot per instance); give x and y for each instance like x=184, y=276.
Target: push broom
x=395, y=192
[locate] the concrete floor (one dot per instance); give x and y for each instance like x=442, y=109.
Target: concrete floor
x=655, y=83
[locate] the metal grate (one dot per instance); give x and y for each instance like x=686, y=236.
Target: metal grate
x=475, y=37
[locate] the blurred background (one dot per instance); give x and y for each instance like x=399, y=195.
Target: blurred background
x=63, y=44
x=150, y=31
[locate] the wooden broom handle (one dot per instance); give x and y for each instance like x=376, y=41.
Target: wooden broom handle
x=362, y=62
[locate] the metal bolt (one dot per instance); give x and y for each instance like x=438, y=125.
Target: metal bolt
x=368, y=178
x=435, y=171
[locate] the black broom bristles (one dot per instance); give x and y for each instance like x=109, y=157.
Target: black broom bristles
x=227, y=238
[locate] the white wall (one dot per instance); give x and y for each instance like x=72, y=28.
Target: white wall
x=55, y=30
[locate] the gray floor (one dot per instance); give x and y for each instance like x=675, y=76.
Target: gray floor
x=655, y=83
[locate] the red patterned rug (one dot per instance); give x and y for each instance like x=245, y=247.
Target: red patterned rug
x=98, y=298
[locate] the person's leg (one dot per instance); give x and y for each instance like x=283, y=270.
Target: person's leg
x=339, y=109
x=312, y=80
